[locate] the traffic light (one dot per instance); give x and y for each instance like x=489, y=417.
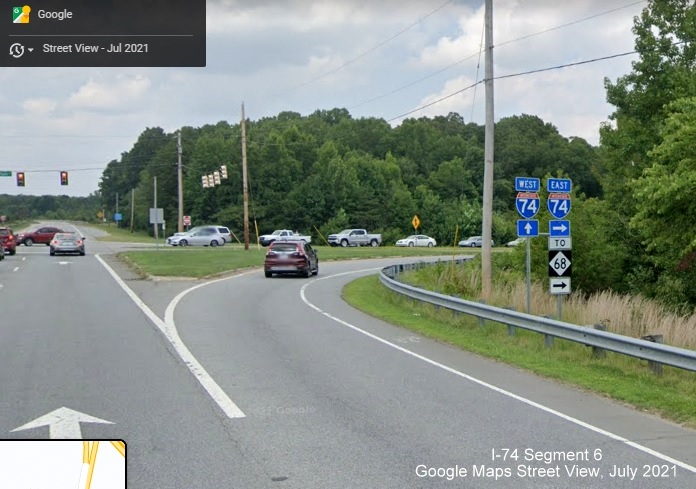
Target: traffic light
x=63, y=178
x=20, y=179
x=223, y=171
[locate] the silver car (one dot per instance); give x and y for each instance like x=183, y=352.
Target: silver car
x=67, y=243
x=204, y=236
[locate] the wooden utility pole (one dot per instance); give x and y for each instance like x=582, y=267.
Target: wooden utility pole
x=132, y=223
x=487, y=223
x=154, y=184
x=179, y=176
x=244, y=182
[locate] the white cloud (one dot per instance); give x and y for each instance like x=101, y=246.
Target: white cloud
x=117, y=93
x=39, y=106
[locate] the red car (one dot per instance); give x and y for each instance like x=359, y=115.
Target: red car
x=296, y=257
x=8, y=241
x=42, y=235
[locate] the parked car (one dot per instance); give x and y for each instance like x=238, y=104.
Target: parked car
x=7, y=241
x=354, y=237
x=224, y=231
x=67, y=243
x=283, y=235
x=474, y=242
x=417, y=240
x=203, y=236
x=295, y=257
x=515, y=242
x=42, y=235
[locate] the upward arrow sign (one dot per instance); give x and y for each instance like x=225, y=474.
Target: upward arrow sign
x=63, y=423
x=528, y=228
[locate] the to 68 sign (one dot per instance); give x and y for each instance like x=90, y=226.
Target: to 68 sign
x=527, y=204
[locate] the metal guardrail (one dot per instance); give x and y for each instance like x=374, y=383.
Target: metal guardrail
x=646, y=350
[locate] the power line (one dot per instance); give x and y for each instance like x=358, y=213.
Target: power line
x=471, y=56
x=557, y=67
x=365, y=53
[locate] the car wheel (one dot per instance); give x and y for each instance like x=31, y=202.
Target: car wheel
x=82, y=253
x=430, y=245
x=374, y=243
x=52, y=253
x=12, y=252
x=316, y=270
x=213, y=243
x=411, y=244
x=344, y=243
x=268, y=274
x=308, y=270
x=28, y=242
x=183, y=242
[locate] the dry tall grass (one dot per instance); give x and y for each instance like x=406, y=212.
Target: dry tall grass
x=626, y=315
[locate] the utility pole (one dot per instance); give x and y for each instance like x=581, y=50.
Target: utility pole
x=117, y=222
x=154, y=182
x=132, y=219
x=244, y=182
x=487, y=223
x=179, y=176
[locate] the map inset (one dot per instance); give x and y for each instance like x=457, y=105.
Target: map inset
x=63, y=464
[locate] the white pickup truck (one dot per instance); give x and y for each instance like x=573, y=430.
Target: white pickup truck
x=354, y=237
x=283, y=234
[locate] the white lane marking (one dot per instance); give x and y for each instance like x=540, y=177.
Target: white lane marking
x=63, y=423
x=524, y=400
x=169, y=330
x=15, y=269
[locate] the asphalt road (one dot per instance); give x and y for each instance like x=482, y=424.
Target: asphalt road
x=250, y=382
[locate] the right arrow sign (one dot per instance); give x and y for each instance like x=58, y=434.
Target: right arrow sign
x=560, y=285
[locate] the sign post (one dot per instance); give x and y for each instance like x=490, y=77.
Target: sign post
x=560, y=243
x=527, y=204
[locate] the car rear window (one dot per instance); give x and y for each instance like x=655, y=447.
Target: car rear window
x=284, y=247
x=5, y=232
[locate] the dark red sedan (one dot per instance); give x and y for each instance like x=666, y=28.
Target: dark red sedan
x=42, y=235
x=294, y=257
x=8, y=241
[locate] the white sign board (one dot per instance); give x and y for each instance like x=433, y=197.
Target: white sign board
x=560, y=243
x=156, y=215
x=559, y=285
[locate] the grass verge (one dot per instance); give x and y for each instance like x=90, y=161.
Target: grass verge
x=200, y=262
x=123, y=235
x=619, y=377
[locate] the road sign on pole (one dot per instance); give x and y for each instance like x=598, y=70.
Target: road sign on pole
x=526, y=184
x=415, y=222
x=559, y=205
x=527, y=228
x=186, y=220
x=560, y=243
x=558, y=286
x=559, y=228
x=559, y=263
x=527, y=204
x=559, y=185
x=156, y=215
x=5, y=173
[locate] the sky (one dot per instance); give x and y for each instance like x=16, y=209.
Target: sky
x=383, y=59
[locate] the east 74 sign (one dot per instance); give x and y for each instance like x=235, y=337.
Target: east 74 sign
x=559, y=263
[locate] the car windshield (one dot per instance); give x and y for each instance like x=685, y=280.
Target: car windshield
x=345, y=231
x=5, y=232
x=284, y=247
x=413, y=236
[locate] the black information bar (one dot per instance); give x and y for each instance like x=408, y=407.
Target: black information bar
x=103, y=33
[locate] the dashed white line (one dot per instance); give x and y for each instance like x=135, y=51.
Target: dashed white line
x=524, y=400
x=15, y=269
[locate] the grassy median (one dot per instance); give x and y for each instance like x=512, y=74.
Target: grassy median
x=672, y=395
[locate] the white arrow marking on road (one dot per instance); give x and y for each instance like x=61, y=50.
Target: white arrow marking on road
x=15, y=269
x=562, y=227
x=63, y=423
x=63, y=263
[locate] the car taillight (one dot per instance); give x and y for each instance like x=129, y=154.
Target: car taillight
x=79, y=241
x=271, y=253
x=55, y=242
x=298, y=254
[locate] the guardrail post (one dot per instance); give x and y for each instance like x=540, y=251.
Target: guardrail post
x=482, y=321
x=511, y=329
x=598, y=352
x=548, y=339
x=655, y=367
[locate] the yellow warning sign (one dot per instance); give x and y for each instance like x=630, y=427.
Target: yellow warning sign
x=415, y=222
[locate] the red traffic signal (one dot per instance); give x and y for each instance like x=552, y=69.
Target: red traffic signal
x=20, y=179
x=63, y=178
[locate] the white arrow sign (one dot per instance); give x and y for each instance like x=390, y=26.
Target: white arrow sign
x=63, y=423
x=528, y=228
x=562, y=228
